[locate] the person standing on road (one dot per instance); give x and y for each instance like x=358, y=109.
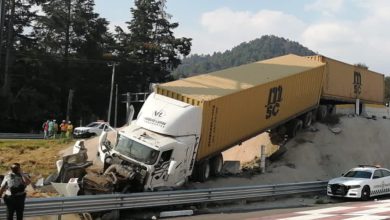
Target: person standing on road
x=69, y=130
x=63, y=128
x=55, y=129
x=51, y=128
x=45, y=127
x=14, y=186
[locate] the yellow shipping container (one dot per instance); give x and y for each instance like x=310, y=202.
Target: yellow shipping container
x=241, y=102
x=345, y=83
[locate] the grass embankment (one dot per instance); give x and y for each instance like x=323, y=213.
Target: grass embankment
x=37, y=157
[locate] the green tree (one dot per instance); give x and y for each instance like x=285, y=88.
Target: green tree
x=73, y=39
x=15, y=44
x=266, y=47
x=150, y=42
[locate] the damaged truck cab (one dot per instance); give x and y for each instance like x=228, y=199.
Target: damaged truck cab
x=161, y=142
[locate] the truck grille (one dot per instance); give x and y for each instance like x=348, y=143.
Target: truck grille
x=339, y=189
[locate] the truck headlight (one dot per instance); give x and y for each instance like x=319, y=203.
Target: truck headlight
x=108, y=160
x=354, y=187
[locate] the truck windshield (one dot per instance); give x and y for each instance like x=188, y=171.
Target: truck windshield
x=136, y=150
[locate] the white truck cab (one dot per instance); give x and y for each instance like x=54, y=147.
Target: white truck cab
x=162, y=140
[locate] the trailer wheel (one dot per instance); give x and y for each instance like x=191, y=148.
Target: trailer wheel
x=216, y=165
x=204, y=171
x=294, y=126
x=307, y=119
x=314, y=115
x=322, y=112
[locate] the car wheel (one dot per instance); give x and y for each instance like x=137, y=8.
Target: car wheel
x=365, y=193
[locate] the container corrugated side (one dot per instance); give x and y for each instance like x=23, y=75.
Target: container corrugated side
x=224, y=82
x=230, y=119
x=345, y=82
x=372, y=87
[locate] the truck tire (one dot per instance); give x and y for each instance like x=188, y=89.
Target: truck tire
x=294, y=126
x=307, y=119
x=322, y=112
x=313, y=115
x=204, y=171
x=216, y=165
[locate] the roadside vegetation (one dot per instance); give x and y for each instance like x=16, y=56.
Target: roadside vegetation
x=37, y=157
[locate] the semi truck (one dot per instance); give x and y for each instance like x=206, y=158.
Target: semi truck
x=184, y=125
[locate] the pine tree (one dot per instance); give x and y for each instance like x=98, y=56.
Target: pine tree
x=151, y=43
x=15, y=43
x=73, y=39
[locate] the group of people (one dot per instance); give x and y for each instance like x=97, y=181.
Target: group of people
x=51, y=129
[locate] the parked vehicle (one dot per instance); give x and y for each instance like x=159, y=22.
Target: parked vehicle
x=92, y=129
x=361, y=182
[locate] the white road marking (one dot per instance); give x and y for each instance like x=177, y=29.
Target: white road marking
x=371, y=211
x=326, y=210
x=368, y=217
x=308, y=217
x=384, y=201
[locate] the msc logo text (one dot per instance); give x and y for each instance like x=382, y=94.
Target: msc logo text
x=357, y=83
x=274, y=100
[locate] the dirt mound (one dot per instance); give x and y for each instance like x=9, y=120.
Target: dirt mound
x=323, y=154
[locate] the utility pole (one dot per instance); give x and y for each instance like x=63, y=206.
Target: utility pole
x=112, y=88
x=9, y=44
x=2, y=18
x=69, y=107
x=67, y=30
x=128, y=103
x=116, y=105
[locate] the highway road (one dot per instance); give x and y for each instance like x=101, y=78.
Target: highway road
x=370, y=210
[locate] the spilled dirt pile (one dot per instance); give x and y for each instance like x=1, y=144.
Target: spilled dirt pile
x=321, y=155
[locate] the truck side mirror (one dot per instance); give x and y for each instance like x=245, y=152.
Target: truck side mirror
x=172, y=167
x=102, y=140
x=131, y=114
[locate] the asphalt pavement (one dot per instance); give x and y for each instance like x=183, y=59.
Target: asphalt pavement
x=370, y=210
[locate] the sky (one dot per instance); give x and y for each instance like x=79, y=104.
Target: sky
x=353, y=31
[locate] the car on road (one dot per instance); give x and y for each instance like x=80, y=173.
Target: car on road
x=362, y=182
x=92, y=129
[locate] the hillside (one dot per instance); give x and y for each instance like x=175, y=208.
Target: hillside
x=266, y=47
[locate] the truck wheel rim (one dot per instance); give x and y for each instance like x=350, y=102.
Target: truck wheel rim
x=207, y=171
x=219, y=166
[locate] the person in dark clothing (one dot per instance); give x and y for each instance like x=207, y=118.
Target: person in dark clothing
x=14, y=185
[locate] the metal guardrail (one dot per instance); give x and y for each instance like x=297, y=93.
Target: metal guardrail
x=20, y=136
x=84, y=204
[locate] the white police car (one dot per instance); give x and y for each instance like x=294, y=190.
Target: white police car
x=361, y=182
